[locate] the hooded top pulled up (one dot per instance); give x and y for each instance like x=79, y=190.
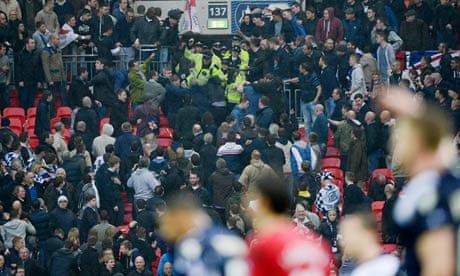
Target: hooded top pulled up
x=331, y=28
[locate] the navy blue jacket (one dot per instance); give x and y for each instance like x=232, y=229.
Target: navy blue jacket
x=40, y=220
x=264, y=117
x=328, y=81
x=320, y=128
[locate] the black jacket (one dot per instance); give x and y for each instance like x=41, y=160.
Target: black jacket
x=146, y=32
x=103, y=88
x=221, y=183
x=42, y=121
x=63, y=263
x=146, y=219
x=187, y=116
x=389, y=228
x=89, y=116
x=353, y=197
x=274, y=157
x=328, y=82
x=52, y=245
x=89, y=262
x=40, y=220
x=74, y=168
x=89, y=218
x=119, y=116
x=78, y=90
x=62, y=218
x=169, y=34
x=26, y=64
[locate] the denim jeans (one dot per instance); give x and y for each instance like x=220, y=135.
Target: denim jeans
x=27, y=95
x=330, y=105
x=59, y=87
x=373, y=159
x=308, y=114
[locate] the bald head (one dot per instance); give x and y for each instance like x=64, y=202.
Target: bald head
x=86, y=102
x=319, y=108
x=370, y=117
x=196, y=128
x=385, y=116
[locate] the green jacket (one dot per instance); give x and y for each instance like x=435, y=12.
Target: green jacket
x=137, y=81
x=342, y=137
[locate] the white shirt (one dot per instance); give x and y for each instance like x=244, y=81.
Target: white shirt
x=383, y=265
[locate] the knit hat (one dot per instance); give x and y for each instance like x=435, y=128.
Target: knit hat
x=62, y=198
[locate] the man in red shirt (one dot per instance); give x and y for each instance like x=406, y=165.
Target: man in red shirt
x=276, y=248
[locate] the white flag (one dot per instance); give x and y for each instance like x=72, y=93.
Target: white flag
x=190, y=19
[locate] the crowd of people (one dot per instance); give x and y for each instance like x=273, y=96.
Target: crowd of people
x=239, y=187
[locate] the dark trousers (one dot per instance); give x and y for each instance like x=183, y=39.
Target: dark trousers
x=116, y=218
x=27, y=95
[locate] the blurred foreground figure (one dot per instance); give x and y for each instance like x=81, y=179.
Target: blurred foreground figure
x=428, y=210
x=360, y=242
x=277, y=248
x=199, y=247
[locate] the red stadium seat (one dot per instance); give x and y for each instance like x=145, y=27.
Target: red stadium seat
x=377, y=207
x=16, y=125
x=166, y=132
x=164, y=121
x=330, y=163
x=15, y=112
x=31, y=112
x=34, y=142
x=164, y=142
x=332, y=152
x=330, y=137
x=124, y=197
x=386, y=172
x=14, y=93
x=53, y=121
x=30, y=124
x=64, y=112
x=128, y=207
x=102, y=123
x=128, y=217
x=339, y=183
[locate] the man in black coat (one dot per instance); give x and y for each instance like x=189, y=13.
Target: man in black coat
x=43, y=117
x=373, y=140
x=122, y=112
x=328, y=83
x=26, y=63
x=63, y=262
x=274, y=156
x=102, y=83
x=88, y=216
x=88, y=115
x=40, y=220
x=79, y=88
x=144, y=217
x=61, y=217
x=89, y=259
x=187, y=116
x=353, y=196
x=208, y=158
x=52, y=244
